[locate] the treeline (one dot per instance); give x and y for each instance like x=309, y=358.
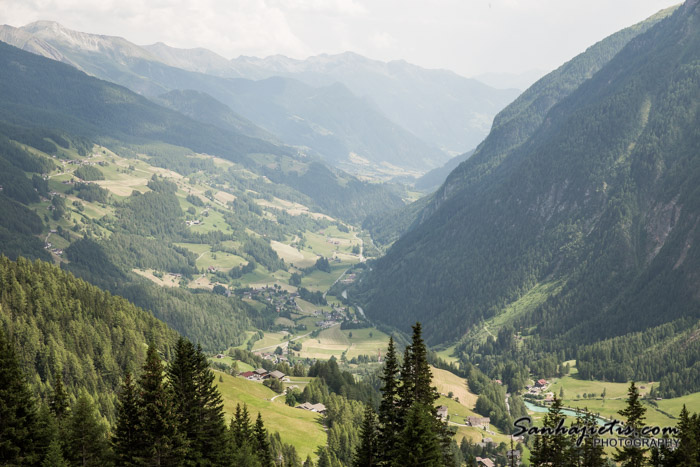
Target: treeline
x=166, y=416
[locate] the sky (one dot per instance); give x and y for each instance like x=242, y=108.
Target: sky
x=470, y=37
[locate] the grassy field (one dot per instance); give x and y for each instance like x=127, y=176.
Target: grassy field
x=447, y=382
x=334, y=341
x=674, y=406
x=447, y=354
x=573, y=387
x=300, y=428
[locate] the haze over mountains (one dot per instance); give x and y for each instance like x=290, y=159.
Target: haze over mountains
x=366, y=116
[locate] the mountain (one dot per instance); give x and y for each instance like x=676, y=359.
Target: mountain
x=63, y=324
x=440, y=107
x=436, y=177
x=575, y=221
x=328, y=120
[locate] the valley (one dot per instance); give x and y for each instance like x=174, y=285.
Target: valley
x=334, y=261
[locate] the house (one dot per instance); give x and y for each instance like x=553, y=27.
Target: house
x=480, y=422
x=277, y=375
x=442, y=412
x=248, y=375
x=484, y=462
x=318, y=408
x=220, y=355
x=541, y=383
x=261, y=373
x=514, y=456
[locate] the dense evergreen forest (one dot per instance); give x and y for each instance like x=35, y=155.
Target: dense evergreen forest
x=573, y=222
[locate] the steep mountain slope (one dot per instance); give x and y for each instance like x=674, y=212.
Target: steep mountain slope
x=329, y=120
x=586, y=183
x=437, y=177
x=62, y=324
x=439, y=106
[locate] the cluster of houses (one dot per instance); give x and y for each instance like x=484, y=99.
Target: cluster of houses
x=281, y=299
x=330, y=318
x=272, y=357
x=513, y=457
x=262, y=374
x=348, y=279
x=538, y=389
x=194, y=222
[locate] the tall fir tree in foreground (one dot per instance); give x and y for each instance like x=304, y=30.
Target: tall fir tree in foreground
x=18, y=415
x=388, y=407
x=127, y=436
x=161, y=442
x=367, y=453
x=632, y=456
x=552, y=449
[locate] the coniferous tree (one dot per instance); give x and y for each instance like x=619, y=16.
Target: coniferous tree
x=632, y=456
x=162, y=444
x=58, y=403
x=419, y=445
x=86, y=435
x=588, y=453
x=18, y=415
x=261, y=443
x=389, y=422
x=54, y=456
x=127, y=437
x=688, y=451
x=210, y=438
x=552, y=449
x=367, y=453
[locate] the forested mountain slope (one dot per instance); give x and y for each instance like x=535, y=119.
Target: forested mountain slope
x=61, y=324
x=589, y=181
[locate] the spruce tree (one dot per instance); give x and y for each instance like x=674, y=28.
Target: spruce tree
x=261, y=443
x=688, y=451
x=18, y=416
x=419, y=445
x=367, y=453
x=552, y=449
x=210, y=438
x=632, y=456
x=162, y=444
x=54, y=456
x=58, y=403
x=86, y=435
x=389, y=422
x=127, y=436
x=588, y=453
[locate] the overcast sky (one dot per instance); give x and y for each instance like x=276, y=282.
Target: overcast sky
x=467, y=36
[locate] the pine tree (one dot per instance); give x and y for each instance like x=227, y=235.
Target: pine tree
x=86, y=434
x=54, y=456
x=308, y=462
x=162, y=444
x=419, y=445
x=261, y=443
x=18, y=416
x=552, y=449
x=632, y=456
x=688, y=451
x=367, y=453
x=210, y=438
x=389, y=422
x=58, y=403
x=588, y=453
x=127, y=437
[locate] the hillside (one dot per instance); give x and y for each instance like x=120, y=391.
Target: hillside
x=62, y=324
x=586, y=181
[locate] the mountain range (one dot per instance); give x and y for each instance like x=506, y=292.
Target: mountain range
x=357, y=113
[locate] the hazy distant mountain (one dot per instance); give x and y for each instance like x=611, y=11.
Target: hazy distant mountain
x=329, y=120
x=519, y=81
x=436, y=177
x=439, y=106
